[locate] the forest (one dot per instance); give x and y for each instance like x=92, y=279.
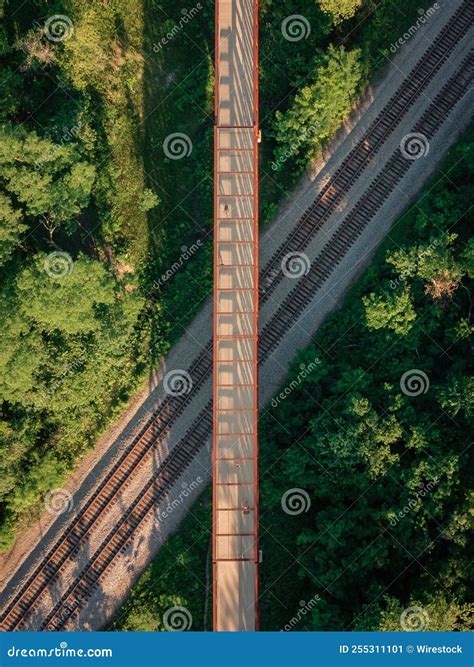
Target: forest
x=94, y=212
x=93, y=215
x=366, y=463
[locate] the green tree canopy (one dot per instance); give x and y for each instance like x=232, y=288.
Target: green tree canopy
x=393, y=311
x=49, y=181
x=318, y=109
x=339, y=10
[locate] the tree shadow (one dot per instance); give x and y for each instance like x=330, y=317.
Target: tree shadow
x=177, y=99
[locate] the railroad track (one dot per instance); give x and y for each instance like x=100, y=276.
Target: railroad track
x=116, y=541
x=172, y=406
x=181, y=456
x=133, y=457
x=359, y=158
x=364, y=210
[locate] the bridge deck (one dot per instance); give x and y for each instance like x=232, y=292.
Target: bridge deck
x=235, y=482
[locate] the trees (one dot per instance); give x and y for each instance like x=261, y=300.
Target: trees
x=392, y=311
x=384, y=464
x=67, y=341
x=69, y=302
x=81, y=234
x=11, y=227
x=88, y=51
x=49, y=181
x=318, y=109
x=435, y=614
x=289, y=73
x=285, y=64
x=57, y=327
x=340, y=10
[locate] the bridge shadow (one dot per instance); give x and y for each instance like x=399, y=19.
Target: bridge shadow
x=178, y=44
x=177, y=98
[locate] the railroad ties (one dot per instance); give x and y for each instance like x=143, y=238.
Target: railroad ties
x=235, y=479
x=234, y=238
x=361, y=155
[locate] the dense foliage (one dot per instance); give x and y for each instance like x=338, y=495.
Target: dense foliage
x=92, y=214
x=311, y=79
x=374, y=439
x=377, y=436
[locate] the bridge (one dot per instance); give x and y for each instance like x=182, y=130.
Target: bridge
x=235, y=442
x=68, y=579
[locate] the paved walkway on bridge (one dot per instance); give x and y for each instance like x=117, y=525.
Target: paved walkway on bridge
x=152, y=534
x=235, y=503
